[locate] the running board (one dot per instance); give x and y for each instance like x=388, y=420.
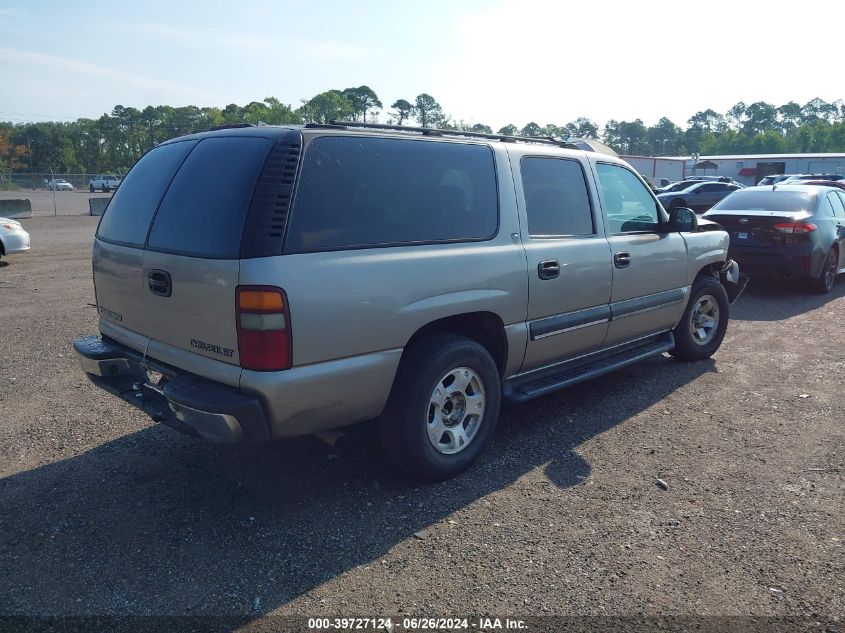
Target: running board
x=522, y=388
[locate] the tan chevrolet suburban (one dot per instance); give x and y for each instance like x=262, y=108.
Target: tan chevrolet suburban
x=265, y=282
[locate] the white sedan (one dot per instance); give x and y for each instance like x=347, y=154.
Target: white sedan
x=59, y=184
x=13, y=239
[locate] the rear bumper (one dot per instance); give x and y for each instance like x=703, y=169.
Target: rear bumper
x=784, y=262
x=196, y=406
x=17, y=242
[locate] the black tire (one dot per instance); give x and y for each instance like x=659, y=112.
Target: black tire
x=409, y=415
x=689, y=344
x=91, y=188
x=824, y=283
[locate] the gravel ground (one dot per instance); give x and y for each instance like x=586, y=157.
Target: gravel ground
x=106, y=513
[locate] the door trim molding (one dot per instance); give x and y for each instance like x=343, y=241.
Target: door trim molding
x=579, y=319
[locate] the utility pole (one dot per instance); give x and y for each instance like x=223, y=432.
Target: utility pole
x=29, y=147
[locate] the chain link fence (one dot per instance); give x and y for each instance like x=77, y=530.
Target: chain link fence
x=20, y=192
x=40, y=181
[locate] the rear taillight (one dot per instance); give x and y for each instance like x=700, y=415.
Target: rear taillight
x=793, y=228
x=264, y=333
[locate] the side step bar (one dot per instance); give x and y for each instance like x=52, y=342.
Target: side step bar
x=522, y=388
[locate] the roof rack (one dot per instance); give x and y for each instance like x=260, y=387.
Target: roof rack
x=229, y=126
x=430, y=131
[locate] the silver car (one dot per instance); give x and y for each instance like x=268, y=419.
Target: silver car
x=266, y=282
x=13, y=237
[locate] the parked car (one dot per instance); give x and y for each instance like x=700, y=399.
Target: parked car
x=839, y=184
x=13, y=237
x=418, y=277
x=774, y=179
x=791, y=230
x=815, y=177
x=104, y=183
x=677, y=186
x=59, y=184
x=688, y=182
x=699, y=196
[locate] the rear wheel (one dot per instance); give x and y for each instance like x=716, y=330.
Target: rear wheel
x=705, y=321
x=91, y=188
x=443, y=407
x=824, y=282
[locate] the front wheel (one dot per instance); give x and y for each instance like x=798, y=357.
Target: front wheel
x=443, y=407
x=91, y=188
x=705, y=321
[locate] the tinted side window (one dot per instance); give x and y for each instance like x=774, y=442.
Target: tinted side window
x=836, y=202
x=826, y=208
x=128, y=216
x=556, y=198
x=203, y=212
x=841, y=199
x=359, y=192
x=628, y=204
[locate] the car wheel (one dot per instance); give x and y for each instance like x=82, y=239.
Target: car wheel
x=824, y=282
x=704, y=323
x=91, y=188
x=443, y=407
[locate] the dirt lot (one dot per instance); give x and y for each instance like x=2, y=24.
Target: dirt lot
x=66, y=202
x=105, y=513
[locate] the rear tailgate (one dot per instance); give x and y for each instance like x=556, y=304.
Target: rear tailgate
x=177, y=286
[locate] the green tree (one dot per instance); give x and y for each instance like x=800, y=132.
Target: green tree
x=362, y=100
x=509, y=130
x=480, y=128
x=532, y=129
x=324, y=107
x=403, y=110
x=427, y=111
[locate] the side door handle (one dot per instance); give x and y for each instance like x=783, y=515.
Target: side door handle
x=548, y=269
x=159, y=282
x=622, y=260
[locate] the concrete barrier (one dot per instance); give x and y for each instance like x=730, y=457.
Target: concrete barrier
x=16, y=208
x=97, y=205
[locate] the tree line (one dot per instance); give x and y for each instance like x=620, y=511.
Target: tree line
x=113, y=142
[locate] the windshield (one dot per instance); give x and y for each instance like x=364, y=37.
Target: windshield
x=778, y=200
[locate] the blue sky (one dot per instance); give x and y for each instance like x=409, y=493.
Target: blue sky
x=489, y=61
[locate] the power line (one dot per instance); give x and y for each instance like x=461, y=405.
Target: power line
x=42, y=116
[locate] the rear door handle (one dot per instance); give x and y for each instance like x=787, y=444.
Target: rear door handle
x=548, y=269
x=622, y=260
x=159, y=283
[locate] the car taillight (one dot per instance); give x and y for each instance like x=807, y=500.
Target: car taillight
x=264, y=332
x=796, y=227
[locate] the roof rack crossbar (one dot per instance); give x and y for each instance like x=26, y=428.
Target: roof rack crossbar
x=229, y=126
x=430, y=131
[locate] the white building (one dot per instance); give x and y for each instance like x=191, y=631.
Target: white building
x=748, y=169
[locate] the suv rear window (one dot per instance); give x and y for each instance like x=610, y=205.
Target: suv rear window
x=362, y=192
x=130, y=210
x=202, y=213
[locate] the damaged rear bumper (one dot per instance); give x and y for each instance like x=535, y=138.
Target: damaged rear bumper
x=733, y=280
x=186, y=402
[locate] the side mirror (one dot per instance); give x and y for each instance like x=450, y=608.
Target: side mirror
x=683, y=220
